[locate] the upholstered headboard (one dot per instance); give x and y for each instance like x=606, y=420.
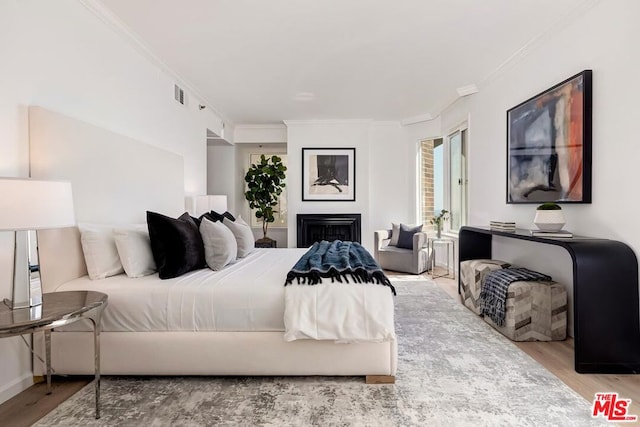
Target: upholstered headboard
x=115, y=180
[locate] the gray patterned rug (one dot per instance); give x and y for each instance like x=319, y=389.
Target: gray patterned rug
x=453, y=370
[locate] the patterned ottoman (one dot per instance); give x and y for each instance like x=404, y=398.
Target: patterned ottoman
x=535, y=311
x=472, y=275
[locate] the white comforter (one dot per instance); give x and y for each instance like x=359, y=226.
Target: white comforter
x=344, y=312
x=247, y=296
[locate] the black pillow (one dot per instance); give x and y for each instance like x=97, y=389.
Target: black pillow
x=206, y=215
x=405, y=237
x=197, y=221
x=219, y=217
x=176, y=244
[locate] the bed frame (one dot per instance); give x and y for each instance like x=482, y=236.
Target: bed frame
x=63, y=148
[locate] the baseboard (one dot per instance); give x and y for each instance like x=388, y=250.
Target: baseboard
x=7, y=391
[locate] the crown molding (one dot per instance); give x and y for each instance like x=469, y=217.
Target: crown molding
x=385, y=123
x=416, y=119
x=119, y=27
x=558, y=25
x=264, y=126
x=328, y=122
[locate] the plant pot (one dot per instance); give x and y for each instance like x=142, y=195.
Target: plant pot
x=549, y=220
x=266, y=242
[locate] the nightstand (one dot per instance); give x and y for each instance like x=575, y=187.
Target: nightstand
x=57, y=309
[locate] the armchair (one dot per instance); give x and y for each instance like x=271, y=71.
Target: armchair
x=414, y=261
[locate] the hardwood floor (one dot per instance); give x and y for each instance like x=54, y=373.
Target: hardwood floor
x=34, y=403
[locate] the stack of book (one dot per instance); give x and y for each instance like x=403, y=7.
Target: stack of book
x=502, y=225
x=554, y=234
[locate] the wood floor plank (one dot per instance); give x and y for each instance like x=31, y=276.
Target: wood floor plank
x=35, y=402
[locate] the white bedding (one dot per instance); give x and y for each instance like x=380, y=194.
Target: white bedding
x=343, y=312
x=246, y=296
x=204, y=300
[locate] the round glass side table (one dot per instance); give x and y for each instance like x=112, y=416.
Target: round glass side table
x=57, y=309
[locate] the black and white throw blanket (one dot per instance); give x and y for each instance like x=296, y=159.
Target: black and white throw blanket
x=493, y=296
x=338, y=261
x=351, y=307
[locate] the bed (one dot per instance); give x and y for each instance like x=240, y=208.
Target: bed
x=169, y=327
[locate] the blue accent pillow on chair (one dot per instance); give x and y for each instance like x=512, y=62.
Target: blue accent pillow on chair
x=405, y=238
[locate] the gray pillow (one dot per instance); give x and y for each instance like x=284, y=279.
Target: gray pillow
x=220, y=247
x=395, y=233
x=405, y=238
x=243, y=235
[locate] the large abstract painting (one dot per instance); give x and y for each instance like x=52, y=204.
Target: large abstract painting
x=329, y=174
x=549, y=145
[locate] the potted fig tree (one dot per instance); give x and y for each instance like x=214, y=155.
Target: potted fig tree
x=265, y=182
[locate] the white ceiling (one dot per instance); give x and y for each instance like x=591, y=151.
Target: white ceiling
x=264, y=61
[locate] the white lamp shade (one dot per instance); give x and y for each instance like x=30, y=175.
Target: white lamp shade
x=208, y=203
x=30, y=204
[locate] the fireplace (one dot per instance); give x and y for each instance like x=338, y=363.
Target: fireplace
x=315, y=227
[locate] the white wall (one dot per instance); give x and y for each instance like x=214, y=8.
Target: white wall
x=383, y=183
x=260, y=134
x=222, y=174
x=602, y=39
x=61, y=56
x=390, y=186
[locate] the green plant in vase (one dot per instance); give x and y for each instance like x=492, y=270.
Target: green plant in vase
x=265, y=182
x=438, y=220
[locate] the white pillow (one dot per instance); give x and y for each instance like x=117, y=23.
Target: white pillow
x=220, y=247
x=395, y=234
x=100, y=252
x=134, y=249
x=243, y=235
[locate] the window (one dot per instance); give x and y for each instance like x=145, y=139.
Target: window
x=458, y=179
x=444, y=178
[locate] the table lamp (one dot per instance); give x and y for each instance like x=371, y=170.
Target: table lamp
x=27, y=205
x=197, y=205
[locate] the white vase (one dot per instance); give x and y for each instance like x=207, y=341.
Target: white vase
x=549, y=220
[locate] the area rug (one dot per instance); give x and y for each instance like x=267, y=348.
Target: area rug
x=453, y=370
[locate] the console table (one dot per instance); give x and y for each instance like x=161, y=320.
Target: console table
x=605, y=296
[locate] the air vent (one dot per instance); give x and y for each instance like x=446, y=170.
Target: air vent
x=178, y=94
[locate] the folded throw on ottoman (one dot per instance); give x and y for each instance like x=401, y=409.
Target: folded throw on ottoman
x=493, y=297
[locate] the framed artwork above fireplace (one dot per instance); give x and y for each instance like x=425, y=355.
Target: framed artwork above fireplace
x=329, y=174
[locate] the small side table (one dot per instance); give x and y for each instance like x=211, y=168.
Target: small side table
x=58, y=309
x=449, y=245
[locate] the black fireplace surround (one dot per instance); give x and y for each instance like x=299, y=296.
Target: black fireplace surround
x=316, y=227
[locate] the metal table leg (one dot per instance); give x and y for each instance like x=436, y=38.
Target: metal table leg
x=47, y=357
x=95, y=319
